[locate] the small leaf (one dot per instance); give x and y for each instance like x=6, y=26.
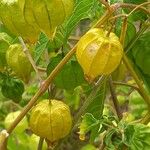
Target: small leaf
x=69, y=77
x=41, y=46
x=12, y=88
x=87, y=124
x=97, y=104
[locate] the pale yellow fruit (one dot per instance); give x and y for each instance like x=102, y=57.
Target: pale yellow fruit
x=99, y=54
x=10, y=119
x=51, y=120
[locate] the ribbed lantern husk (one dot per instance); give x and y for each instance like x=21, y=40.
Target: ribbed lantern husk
x=51, y=120
x=19, y=62
x=3, y=141
x=27, y=18
x=99, y=54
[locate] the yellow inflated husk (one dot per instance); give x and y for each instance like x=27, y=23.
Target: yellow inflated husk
x=98, y=53
x=27, y=18
x=18, y=61
x=51, y=120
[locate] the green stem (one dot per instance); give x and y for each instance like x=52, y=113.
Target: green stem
x=137, y=80
x=114, y=99
x=40, y=145
x=142, y=91
x=125, y=84
x=146, y=119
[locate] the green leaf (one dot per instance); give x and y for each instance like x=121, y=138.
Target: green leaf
x=137, y=15
x=140, y=136
x=97, y=104
x=12, y=88
x=141, y=53
x=40, y=46
x=87, y=124
x=108, y=140
x=137, y=105
x=73, y=97
x=69, y=77
x=130, y=34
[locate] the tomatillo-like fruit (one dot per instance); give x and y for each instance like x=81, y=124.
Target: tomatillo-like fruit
x=99, y=53
x=51, y=119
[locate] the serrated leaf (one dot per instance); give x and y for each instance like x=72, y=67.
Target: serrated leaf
x=140, y=57
x=87, y=124
x=40, y=46
x=97, y=104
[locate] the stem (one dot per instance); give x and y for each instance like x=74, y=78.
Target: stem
x=129, y=5
x=26, y=51
x=114, y=99
x=123, y=31
x=137, y=80
x=104, y=2
x=41, y=69
x=130, y=68
x=88, y=100
x=137, y=7
x=3, y=140
x=146, y=118
x=40, y=145
x=125, y=84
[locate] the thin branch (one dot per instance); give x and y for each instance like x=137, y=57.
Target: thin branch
x=3, y=140
x=26, y=51
x=74, y=38
x=114, y=99
x=137, y=7
x=40, y=145
x=137, y=80
x=104, y=2
x=130, y=68
x=41, y=69
x=132, y=6
x=118, y=16
x=125, y=84
x=146, y=118
x=123, y=31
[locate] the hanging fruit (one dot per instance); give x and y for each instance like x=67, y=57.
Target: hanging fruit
x=18, y=61
x=27, y=18
x=51, y=119
x=10, y=119
x=99, y=53
x=5, y=41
